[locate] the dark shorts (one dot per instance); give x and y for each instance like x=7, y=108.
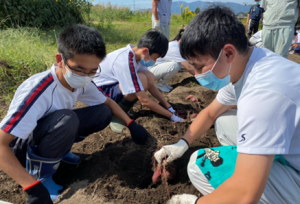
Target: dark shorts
x=112, y=91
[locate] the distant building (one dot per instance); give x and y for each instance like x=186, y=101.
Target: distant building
x=241, y=15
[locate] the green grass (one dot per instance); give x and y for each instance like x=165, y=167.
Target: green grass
x=27, y=51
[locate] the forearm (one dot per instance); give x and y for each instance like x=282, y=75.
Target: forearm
x=158, y=95
x=117, y=111
x=229, y=192
x=200, y=125
x=154, y=10
x=156, y=108
x=248, y=17
x=188, y=67
x=12, y=167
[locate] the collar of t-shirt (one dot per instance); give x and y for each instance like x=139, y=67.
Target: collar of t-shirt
x=238, y=86
x=59, y=85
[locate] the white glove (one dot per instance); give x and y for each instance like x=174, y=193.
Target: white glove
x=175, y=118
x=173, y=151
x=171, y=109
x=183, y=199
x=157, y=25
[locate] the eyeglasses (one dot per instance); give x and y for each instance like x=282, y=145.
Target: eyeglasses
x=80, y=73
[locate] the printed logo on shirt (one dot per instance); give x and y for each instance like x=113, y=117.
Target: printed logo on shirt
x=244, y=138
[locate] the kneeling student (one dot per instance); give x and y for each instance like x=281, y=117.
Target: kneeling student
x=41, y=127
x=166, y=68
x=124, y=77
x=259, y=161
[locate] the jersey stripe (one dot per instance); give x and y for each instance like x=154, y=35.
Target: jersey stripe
x=27, y=103
x=133, y=73
x=101, y=90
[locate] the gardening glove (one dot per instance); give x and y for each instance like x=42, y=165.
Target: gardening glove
x=38, y=194
x=175, y=118
x=173, y=151
x=183, y=199
x=138, y=133
x=157, y=25
x=171, y=109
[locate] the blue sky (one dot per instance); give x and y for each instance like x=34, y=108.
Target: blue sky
x=147, y=3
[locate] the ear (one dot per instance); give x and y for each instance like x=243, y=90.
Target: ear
x=144, y=50
x=230, y=52
x=59, y=60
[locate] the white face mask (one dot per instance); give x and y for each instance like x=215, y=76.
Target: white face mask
x=297, y=31
x=74, y=80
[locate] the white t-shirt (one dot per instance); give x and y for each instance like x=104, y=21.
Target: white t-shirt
x=173, y=54
x=121, y=67
x=41, y=95
x=268, y=101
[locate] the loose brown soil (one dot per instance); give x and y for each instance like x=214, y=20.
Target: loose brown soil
x=116, y=170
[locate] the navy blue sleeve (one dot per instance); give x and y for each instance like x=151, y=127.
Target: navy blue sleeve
x=250, y=11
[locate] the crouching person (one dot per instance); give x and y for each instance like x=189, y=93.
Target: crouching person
x=125, y=78
x=41, y=125
x=259, y=161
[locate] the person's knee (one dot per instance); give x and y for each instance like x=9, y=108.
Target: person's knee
x=196, y=176
x=226, y=127
x=68, y=121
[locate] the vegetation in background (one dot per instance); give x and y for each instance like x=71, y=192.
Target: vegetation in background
x=43, y=13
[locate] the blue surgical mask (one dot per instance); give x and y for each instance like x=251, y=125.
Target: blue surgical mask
x=147, y=64
x=257, y=3
x=211, y=81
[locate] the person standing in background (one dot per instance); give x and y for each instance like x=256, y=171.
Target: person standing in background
x=255, y=15
x=161, y=16
x=279, y=22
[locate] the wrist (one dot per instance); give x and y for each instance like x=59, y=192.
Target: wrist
x=30, y=186
x=129, y=123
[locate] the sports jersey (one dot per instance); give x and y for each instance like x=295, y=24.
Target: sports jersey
x=41, y=95
x=268, y=101
x=121, y=67
x=173, y=54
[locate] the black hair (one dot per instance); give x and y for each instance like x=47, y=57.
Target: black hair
x=179, y=35
x=81, y=39
x=155, y=41
x=210, y=31
x=297, y=26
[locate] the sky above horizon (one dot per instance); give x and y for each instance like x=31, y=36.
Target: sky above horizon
x=140, y=4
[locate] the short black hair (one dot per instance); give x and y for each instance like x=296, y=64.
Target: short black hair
x=81, y=39
x=297, y=26
x=155, y=41
x=210, y=31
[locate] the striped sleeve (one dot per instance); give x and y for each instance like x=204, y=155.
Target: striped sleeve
x=133, y=73
x=24, y=110
x=125, y=72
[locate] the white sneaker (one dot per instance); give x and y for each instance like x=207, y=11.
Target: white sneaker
x=170, y=87
x=162, y=87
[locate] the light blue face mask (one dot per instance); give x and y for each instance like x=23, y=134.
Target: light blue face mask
x=150, y=63
x=257, y=2
x=211, y=81
x=147, y=64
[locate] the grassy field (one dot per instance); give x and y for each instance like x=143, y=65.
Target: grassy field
x=26, y=51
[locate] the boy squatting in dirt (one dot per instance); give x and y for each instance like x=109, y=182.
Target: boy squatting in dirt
x=125, y=78
x=259, y=161
x=41, y=125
